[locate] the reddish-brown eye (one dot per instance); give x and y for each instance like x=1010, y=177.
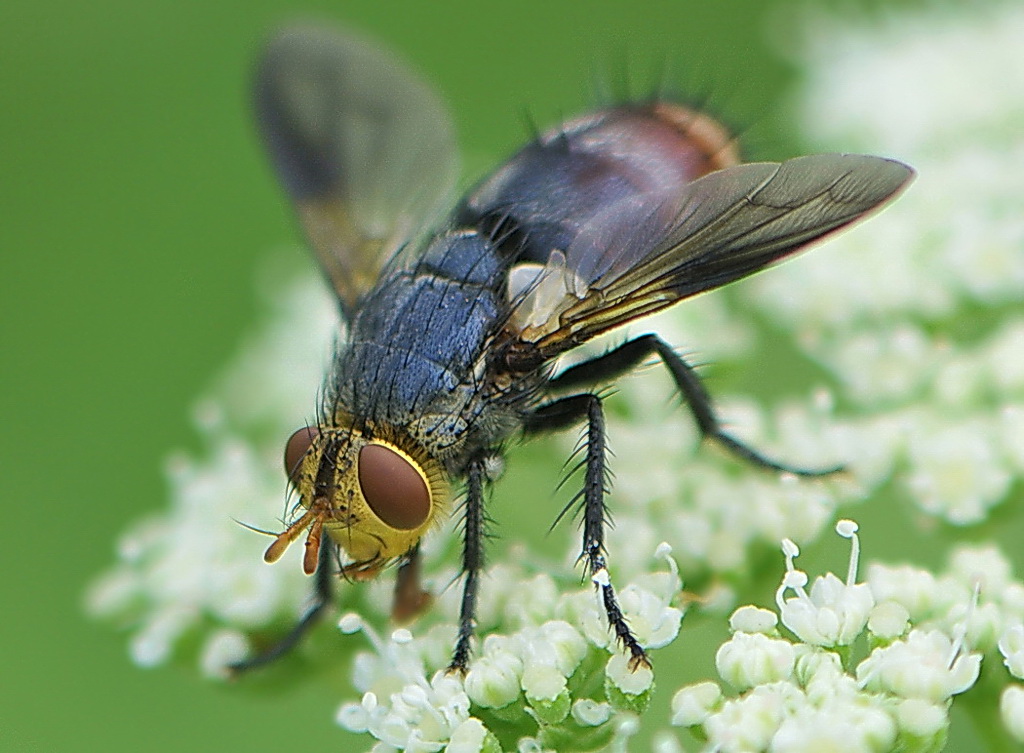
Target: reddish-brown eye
x=295, y=449
x=393, y=488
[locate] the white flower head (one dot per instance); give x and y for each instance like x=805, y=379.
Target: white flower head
x=957, y=471
x=923, y=665
x=801, y=696
x=838, y=726
x=835, y=612
x=751, y=721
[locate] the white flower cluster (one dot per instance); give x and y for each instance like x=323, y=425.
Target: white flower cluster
x=552, y=676
x=922, y=306
x=926, y=636
x=196, y=566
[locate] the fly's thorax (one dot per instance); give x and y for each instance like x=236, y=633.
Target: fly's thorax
x=477, y=416
x=444, y=433
x=374, y=490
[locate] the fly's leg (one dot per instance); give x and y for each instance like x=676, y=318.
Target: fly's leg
x=473, y=522
x=410, y=599
x=559, y=414
x=323, y=592
x=628, y=355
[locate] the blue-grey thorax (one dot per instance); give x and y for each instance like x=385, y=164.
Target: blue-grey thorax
x=416, y=352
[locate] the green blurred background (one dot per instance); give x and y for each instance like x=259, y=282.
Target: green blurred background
x=136, y=209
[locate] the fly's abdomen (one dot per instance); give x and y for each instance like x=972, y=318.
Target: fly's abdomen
x=641, y=153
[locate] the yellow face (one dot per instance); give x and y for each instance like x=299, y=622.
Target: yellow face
x=375, y=494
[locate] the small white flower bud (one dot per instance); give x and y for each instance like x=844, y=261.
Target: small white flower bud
x=666, y=742
x=542, y=682
x=625, y=728
x=751, y=619
x=632, y=682
x=922, y=719
x=471, y=736
x=888, y=620
x=691, y=705
x=749, y=659
x=568, y=647
x=589, y=713
x=353, y=717
x=1011, y=709
x=414, y=695
x=1011, y=646
x=493, y=681
x=816, y=666
x=545, y=689
x=223, y=648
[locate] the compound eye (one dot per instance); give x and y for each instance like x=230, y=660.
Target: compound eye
x=393, y=488
x=296, y=448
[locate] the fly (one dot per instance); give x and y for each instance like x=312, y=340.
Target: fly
x=455, y=317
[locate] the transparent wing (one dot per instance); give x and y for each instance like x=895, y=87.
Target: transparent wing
x=364, y=147
x=637, y=257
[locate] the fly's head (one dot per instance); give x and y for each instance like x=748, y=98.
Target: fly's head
x=374, y=492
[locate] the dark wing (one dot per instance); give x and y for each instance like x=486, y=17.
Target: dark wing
x=637, y=257
x=364, y=147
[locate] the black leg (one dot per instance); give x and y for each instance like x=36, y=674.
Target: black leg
x=595, y=486
x=566, y=412
x=558, y=414
x=629, y=354
x=323, y=592
x=472, y=559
